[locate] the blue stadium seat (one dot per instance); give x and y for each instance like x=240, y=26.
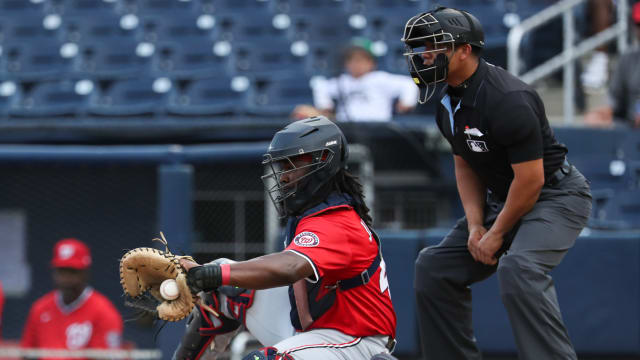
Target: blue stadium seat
x=178, y=28
x=26, y=28
x=279, y=96
x=21, y=8
x=230, y=7
x=323, y=59
x=95, y=8
x=189, y=59
x=210, y=96
x=269, y=59
x=10, y=94
x=133, y=97
x=334, y=28
x=166, y=8
x=54, y=98
x=251, y=27
x=393, y=8
x=27, y=61
x=393, y=61
x=387, y=27
x=111, y=61
x=103, y=29
x=312, y=7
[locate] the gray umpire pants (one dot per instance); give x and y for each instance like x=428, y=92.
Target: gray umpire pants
x=530, y=251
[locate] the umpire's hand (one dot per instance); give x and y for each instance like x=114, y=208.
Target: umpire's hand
x=484, y=248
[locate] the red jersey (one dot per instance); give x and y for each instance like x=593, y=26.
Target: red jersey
x=339, y=246
x=1, y=307
x=91, y=321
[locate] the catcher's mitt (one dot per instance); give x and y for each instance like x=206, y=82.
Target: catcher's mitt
x=143, y=269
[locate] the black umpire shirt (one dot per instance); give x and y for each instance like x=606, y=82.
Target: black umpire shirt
x=494, y=120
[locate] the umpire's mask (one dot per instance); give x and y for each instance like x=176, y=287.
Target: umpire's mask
x=436, y=33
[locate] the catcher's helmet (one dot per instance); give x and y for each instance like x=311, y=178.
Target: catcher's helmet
x=440, y=29
x=323, y=149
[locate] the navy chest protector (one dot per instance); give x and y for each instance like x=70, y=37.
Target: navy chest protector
x=319, y=306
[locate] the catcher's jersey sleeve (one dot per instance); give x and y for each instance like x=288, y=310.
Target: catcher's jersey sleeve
x=325, y=248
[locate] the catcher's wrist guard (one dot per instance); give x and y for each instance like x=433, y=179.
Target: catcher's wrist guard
x=204, y=278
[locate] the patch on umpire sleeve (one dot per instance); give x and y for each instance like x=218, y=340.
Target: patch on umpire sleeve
x=306, y=239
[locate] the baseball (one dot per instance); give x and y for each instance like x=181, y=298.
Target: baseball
x=169, y=289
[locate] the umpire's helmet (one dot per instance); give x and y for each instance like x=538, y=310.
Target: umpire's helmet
x=324, y=149
x=441, y=28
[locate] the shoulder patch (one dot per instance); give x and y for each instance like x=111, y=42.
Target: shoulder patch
x=306, y=239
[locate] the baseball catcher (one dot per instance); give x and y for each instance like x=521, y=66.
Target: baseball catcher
x=326, y=295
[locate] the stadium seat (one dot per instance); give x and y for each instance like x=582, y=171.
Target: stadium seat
x=165, y=8
x=336, y=28
x=393, y=8
x=54, y=98
x=189, y=59
x=10, y=93
x=178, y=28
x=112, y=61
x=231, y=7
x=27, y=28
x=34, y=62
x=132, y=97
x=278, y=96
x=323, y=59
x=393, y=61
x=210, y=96
x=268, y=59
x=386, y=27
x=107, y=28
x=257, y=28
x=312, y=7
x=21, y=8
x=93, y=8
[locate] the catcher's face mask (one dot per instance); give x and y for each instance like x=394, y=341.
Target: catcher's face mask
x=427, y=46
x=286, y=178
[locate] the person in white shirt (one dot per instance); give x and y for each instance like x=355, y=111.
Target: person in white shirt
x=362, y=93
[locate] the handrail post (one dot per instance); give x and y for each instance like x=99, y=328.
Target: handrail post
x=569, y=67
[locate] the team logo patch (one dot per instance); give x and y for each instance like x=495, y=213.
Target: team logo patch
x=477, y=146
x=306, y=239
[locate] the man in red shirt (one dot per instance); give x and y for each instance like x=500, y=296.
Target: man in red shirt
x=1, y=307
x=338, y=302
x=74, y=316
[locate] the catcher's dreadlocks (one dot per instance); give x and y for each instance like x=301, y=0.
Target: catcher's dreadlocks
x=348, y=183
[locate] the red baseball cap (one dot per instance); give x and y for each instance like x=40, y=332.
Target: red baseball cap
x=635, y=13
x=71, y=253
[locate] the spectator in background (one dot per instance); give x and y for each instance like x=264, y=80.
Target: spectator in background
x=74, y=316
x=623, y=106
x=362, y=93
x=596, y=75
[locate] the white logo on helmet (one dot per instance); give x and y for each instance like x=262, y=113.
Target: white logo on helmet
x=332, y=142
x=66, y=251
x=301, y=151
x=306, y=239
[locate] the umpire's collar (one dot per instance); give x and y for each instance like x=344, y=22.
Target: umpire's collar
x=473, y=85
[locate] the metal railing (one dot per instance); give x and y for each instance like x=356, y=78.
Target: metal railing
x=571, y=51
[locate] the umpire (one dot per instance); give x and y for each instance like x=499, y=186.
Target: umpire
x=525, y=205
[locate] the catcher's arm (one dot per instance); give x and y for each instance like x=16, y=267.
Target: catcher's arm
x=263, y=272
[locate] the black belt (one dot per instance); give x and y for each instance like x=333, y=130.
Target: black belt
x=391, y=344
x=559, y=174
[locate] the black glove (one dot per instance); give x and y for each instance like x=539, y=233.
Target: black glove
x=204, y=278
